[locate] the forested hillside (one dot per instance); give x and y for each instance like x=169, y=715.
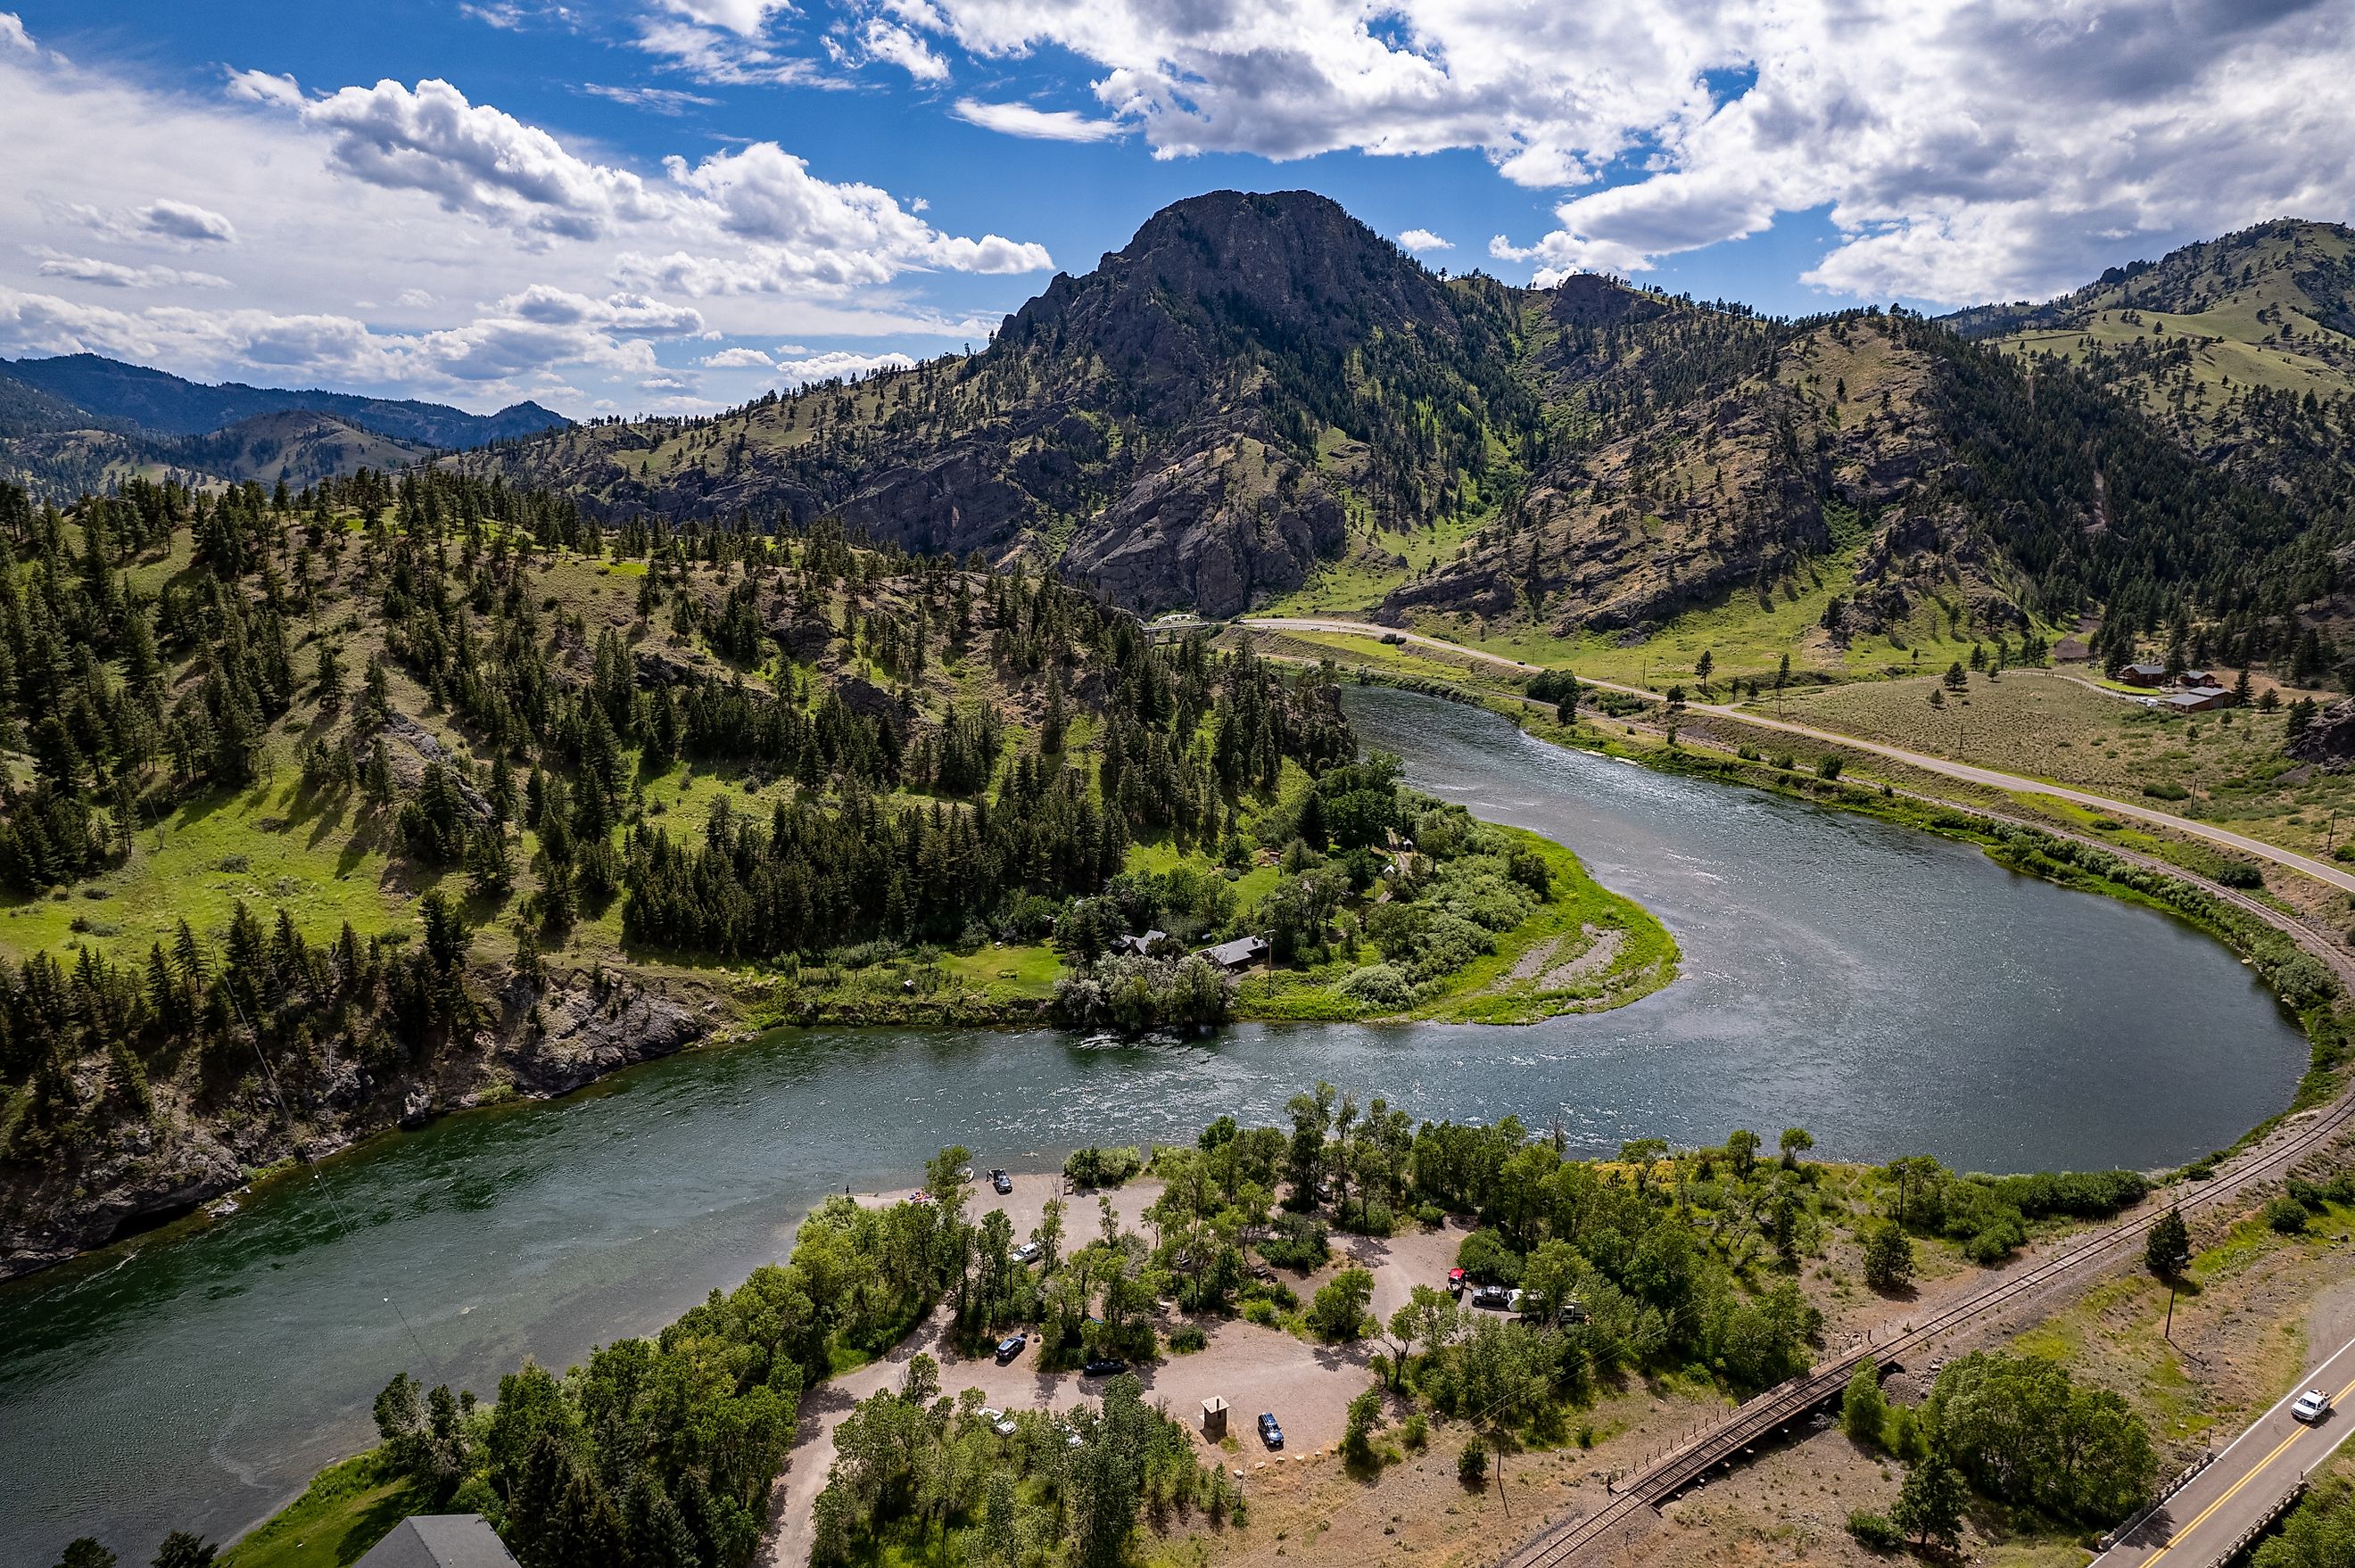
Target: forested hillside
x=325, y=809
x=1259, y=401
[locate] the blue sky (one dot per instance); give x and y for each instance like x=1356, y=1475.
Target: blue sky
x=674, y=204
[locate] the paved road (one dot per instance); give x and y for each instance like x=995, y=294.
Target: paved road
x=2202, y=1524
x=1968, y=772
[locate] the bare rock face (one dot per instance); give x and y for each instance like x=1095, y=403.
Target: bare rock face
x=410, y=746
x=129, y=1185
x=2329, y=738
x=1232, y=520
x=591, y=1032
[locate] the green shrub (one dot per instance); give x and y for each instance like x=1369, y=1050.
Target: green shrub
x=1875, y=1530
x=1377, y=986
x=1189, y=1339
x=1094, y=1167
x=2286, y=1215
x=2165, y=792
x=1297, y=1241
x=1472, y=1465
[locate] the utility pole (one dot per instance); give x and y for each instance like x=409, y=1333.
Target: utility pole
x=2167, y=1333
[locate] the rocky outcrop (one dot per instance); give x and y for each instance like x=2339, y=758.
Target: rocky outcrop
x=1232, y=521
x=139, y=1179
x=585, y=1033
x=409, y=746
x=124, y=1176
x=2329, y=738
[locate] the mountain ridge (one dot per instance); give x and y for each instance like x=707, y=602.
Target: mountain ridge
x=159, y=401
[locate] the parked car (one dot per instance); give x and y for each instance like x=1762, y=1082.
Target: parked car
x=1011, y=1347
x=1455, y=1280
x=2311, y=1406
x=999, y=1421
x=1000, y=1180
x=1026, y=1253
x=1103, y=1367
x=1269, y=1432
x=1492, y=1297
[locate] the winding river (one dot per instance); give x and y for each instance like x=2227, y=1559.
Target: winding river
x=1892, y=992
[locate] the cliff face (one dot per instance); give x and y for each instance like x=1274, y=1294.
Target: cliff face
x=122, y=1176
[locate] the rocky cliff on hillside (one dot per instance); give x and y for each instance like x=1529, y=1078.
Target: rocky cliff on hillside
x=131, y=1176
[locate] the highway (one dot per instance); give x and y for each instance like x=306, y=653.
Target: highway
x=1636, y=1498
x=1968, y=772
x=2215, y=1513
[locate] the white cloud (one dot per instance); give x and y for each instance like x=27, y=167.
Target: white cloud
x=738, y=359
x=838, y=363
x=1965, y=149
x=473, y=159
x=54, y=263
x=184, y=223
x=745, y=19
x=1042, y=125
x=660, y=100
x=897, y=46
x=261, y=87
x=1421, y=239
x=13, y=35
x=459, y=203
x=724, y=55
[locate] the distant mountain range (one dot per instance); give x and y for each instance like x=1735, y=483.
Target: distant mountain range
x=80, y=422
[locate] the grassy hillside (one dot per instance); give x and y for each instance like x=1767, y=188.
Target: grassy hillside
x=322, y=811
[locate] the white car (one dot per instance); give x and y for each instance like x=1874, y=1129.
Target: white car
x=1026, y=1251
x=2311, y=1406
x=999, y=1421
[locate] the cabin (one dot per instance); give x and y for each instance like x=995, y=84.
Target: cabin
x=1238, y=955
x=439, y=1540
x=1140, y=945
x=2197, y=698
x=2142, y=675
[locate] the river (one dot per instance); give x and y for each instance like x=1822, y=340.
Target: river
x=1892, y=992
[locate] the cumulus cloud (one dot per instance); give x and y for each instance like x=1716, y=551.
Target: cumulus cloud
x=1042, y=125
x=1965, y=149
x=261, y=87
x=738, y=359
x=896, y=45
x=12, y=37
x=472, y=158
x=463, y=202
x=839, y=363
x=1421, y=239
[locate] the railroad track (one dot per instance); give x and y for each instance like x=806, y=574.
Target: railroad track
x=1775, y=1409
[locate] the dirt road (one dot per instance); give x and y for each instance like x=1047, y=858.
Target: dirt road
x=1968, y=772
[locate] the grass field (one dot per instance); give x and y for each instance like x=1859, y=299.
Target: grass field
x=348, y=1507
x=2230, y=764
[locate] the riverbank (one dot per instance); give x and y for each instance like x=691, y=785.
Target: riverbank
x=2312, y=974
x=2025, y=1027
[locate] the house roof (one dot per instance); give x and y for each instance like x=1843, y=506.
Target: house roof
x=1141, y=944
x=2144, y=669
x=439, y=1540
x=1242, y=950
